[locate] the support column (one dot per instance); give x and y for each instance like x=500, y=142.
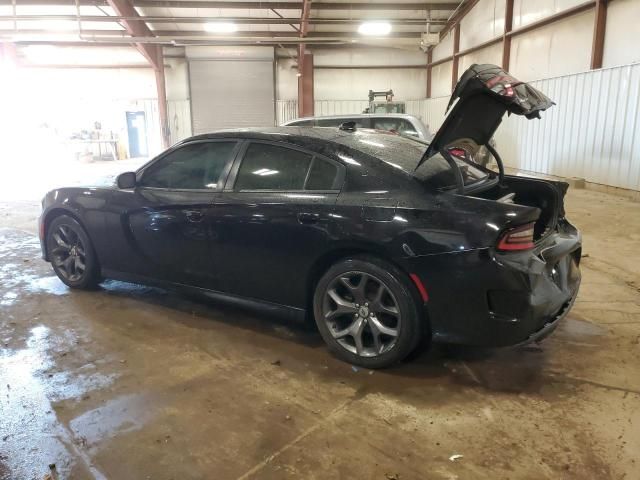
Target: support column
x=429, y=60
x=599, y=30
x=506, y=38
x=456, y=49
x=305, y=85
x=162, y=98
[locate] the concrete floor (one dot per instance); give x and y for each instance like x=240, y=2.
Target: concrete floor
x=137, y=383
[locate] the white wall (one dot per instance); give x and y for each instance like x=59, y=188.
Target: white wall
x=443, y=49
x=622, y=41
x=591, y=133
x=490, y=54
x=176, y=76
x=484, y=22
x=354, y=84
x=441, y=79
x=287, y=79
x=82, y=97
x=526, y=12
x=560, y=48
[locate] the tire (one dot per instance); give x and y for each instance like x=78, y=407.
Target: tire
x=71, y=253
x=389, y=325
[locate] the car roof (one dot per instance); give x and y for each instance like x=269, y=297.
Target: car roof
x=274, y=133
x=313, y=139
x=355, y=115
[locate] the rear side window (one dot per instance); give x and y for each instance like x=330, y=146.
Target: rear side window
x=322, y=175
x=336, y=122
x=195, y=166
x=270, y=167
x=399, y=125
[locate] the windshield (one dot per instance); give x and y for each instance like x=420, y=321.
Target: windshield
x=404, y=153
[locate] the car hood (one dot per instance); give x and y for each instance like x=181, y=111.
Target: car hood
x=485, y=93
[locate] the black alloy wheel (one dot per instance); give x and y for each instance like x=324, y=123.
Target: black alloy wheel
x=71, y=253
x=367, y=312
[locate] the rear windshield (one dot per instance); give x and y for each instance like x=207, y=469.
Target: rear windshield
x=405, y=153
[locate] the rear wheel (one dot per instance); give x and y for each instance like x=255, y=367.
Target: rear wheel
x=366, y=312
x=71, y=253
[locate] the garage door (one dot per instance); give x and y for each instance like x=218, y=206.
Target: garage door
x=231, y=94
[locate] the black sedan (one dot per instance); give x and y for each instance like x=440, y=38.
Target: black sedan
x=383, y=240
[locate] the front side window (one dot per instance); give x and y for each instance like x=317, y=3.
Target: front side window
x=195, y=166
x=270, y=167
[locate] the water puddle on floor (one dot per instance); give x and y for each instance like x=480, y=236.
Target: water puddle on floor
x=32, y=435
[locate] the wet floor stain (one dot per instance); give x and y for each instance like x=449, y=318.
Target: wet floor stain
x=132, y=382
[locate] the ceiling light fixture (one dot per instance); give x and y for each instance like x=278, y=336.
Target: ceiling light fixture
x=221, y=27
x=374, y=28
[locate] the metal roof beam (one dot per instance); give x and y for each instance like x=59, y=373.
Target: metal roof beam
x=238, y=20
x=252, y=5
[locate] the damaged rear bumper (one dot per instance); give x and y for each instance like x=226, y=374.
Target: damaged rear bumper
x=494, y=299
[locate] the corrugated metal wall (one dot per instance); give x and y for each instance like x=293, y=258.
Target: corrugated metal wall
x=288, y=109
x=592, y=132
x=179, y=117
x=340, y=107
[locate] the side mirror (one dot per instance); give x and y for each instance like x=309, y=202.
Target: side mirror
x=126, y=180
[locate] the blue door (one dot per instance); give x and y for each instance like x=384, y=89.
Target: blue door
x=137, y=132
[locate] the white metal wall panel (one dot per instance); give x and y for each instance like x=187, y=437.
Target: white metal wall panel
x=431, y=111
x=558, y=49
x=443, y=49
x=593, y=132
x=490, y=54
x=528, y=11
x=179, y=117
x=231, y=94
x=484, y=21
x=622, y=33
x=441, y=79
x=339, y=107
x=347, y=84
x=286, y=110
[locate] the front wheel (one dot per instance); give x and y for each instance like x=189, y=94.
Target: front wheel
x=71, y=253
x=367, y=313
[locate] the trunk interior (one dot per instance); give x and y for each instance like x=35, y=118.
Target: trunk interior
x=531, y=192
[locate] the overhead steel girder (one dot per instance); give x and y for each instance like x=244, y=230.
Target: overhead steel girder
x=238, y=20
x=138, y=28
x=253, y=5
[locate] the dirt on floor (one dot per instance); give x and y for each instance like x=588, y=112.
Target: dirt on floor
x=130, y=382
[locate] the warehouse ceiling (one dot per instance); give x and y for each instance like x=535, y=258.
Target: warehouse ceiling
x=75, y=23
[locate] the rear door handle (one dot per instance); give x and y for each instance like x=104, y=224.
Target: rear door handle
x=194, y=216
x=308, y=218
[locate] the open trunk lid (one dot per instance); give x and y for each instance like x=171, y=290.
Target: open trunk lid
x=485, y=93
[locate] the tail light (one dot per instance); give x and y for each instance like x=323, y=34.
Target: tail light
x=518, y=238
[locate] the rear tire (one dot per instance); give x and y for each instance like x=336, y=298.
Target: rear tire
x=367, y=312
x=71, y=253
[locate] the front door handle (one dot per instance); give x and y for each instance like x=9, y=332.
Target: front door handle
x=308, y=218
x=194, y=216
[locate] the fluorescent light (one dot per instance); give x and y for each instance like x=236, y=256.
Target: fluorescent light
x=374, y=28
x=220, y=27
